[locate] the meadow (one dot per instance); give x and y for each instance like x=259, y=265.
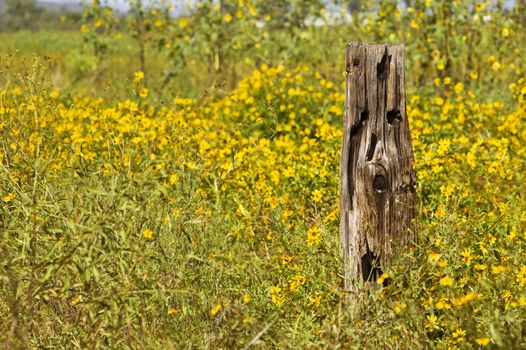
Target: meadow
x=202, y=211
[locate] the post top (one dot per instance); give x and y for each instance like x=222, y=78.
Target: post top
x=357, y=43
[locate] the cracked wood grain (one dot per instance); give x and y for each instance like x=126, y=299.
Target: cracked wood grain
x=377, y=194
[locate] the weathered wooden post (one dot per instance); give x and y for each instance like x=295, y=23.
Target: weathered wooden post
x=377, y=195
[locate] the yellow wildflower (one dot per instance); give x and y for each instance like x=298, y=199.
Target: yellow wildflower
x=467, y=256
x=315, y=301
x=143, y=92
x=442, y=263
x=183, y=22
x=147, y=234
x=521, y=276
x=433, y=258
x=458, y=88
x=496, y=270
x=482, y=341
x=54, y=94
x=215, y=310
x=9, y=197
x=317, y=195
x=246, y=298
x=446, y=281
x=431, y=322
x=442, y=304
x=459, y=333
x=382, y=278
x=313, y=236
x=138, y=76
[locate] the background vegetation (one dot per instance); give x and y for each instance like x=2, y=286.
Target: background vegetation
x=171, y=181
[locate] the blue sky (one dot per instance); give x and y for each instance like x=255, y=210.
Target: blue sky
x=121, y=4
x=116, y=3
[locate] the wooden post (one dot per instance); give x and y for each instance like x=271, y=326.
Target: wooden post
x=377, y=194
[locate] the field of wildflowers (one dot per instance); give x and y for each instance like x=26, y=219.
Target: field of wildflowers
x=170, y=223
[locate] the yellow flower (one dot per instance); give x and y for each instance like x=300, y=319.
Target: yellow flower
x=9, y=197
x=296, y=281
x=446, y=281
x=54, y=94
x=138, y=76
x=459, y=87
x=474, y=75
x=317, y=196
x=228, y=18
x=459, y=333
x=464, y=299
x=442, y=263
x=315, y=300
x=467, y=256
x=313, y=236
x=246, y=298
x=442, y=304
x=147, y=234
x=172, y=311
x=215, y=310
x=433, y=258
x=521, y=276
x=382, y=278
x=431, y=322
x=495, y=66
x=276, y=296
x=482, y=341
x=496, y=270
x=439, y=101
x=289, y=172
x=143, y=92
x=399, y=307
x=479, y=267
x=76, y=300
x=183, y=22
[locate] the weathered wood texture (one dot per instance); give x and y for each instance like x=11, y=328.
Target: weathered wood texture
x=377, y=195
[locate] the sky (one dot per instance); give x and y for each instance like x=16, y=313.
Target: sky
x=113, y=3
x=118, y=4
x=121, y=4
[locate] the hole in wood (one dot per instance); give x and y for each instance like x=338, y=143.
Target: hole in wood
x=382, y=68
x=364, y=115
x=379, y=182
x=392, y=115
x=356, y=61
x=371, y=269
x=372, y=147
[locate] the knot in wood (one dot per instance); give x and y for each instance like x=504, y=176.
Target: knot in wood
x=379, y=182
x=378, y=176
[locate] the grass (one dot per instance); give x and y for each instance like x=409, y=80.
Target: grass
x=128, y=224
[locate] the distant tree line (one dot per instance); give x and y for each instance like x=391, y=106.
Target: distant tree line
x=27, y=15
